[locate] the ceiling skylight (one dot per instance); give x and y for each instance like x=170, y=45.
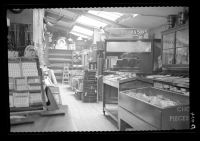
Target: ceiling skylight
x=91, y=22
x=113, y=16
x=82, y=30
x=79, y=35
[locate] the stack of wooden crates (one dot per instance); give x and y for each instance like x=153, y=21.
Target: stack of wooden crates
x=89, y=86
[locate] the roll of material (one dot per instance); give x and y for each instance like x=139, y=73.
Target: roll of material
x=52, y=77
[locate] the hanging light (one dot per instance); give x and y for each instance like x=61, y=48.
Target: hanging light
x=80, y=38
x=101, y=30
x=70, y=39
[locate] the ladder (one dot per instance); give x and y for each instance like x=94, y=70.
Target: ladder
x=65, y=78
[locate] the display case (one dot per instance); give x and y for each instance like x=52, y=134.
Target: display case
x=175, y=47
x=113, y=84
x=154, y=108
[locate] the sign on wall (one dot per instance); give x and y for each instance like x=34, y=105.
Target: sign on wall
x=128, y=32
x=137, y=46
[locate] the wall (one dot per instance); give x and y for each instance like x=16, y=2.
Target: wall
x=156, y=32
x=26, y=17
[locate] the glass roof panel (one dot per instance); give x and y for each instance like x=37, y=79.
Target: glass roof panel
x=79, y=34
x=113, y=16
x=82, y=30
x=91, y=22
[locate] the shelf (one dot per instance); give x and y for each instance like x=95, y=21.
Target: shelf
x=111, y=83
x=34, y=83
x=112, y=112
x=35, y=105
x=181, y=85
x=32, y=91
x=21, y=121
x=18, y=91
x=25, y=110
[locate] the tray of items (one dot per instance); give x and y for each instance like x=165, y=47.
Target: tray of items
x=29, y=69
x=34, y=87
x=162, y=109
x=14, y=69
x=21, y=99
x=11, y=104
x=118, y=77
x=33, y=80
x=35, y=99
x=11, y=83
x=21, y=84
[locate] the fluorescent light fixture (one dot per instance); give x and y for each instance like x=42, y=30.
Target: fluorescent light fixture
x=90, y=22
x=79, y=34
x=113, y=16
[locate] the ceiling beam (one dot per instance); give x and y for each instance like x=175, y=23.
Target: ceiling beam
x=85, y=26
x=67, y=20
x=59, y=27
x=56, y=16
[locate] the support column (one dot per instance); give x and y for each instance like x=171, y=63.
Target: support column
x=38, y=33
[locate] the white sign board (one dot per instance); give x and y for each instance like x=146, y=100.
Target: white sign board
x=137, y=46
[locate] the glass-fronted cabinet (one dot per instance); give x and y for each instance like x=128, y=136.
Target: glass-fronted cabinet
x=182, y=46
x=168, y=48
x=175, y=47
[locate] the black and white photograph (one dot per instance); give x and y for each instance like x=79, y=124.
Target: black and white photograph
x=98, y=69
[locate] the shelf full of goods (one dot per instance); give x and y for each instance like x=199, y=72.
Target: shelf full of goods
x=89, y=86
x=172, y=83
x=25, y=85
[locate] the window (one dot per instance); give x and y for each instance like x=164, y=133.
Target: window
x=113, y=16
x=90, y=22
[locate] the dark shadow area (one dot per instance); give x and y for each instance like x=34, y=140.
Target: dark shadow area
x=111, y=120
